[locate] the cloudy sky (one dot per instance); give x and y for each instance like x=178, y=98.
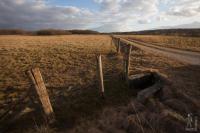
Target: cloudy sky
x=101, y=15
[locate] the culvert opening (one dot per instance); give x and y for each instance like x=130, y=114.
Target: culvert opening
x=142, y=81
x=148, y=84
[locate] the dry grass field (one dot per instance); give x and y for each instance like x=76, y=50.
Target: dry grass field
x=62, y=59
x=68, y=66
x=185, y=43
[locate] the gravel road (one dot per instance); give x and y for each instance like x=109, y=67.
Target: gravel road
x=189, y=57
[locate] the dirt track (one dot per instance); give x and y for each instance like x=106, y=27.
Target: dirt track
x=189, y=57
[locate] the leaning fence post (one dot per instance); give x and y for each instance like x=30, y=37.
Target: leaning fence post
x=118, y=45
x=128, y=61
x=100, y=74
x=112, y=40
x=41, y=90
x=124, y=67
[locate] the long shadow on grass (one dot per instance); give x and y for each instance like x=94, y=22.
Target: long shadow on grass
x=76, y=104
x=72, y=107
x=79, y=103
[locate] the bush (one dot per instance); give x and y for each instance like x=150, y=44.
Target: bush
x=13, y=32
x=83, y=32
x=52, y=32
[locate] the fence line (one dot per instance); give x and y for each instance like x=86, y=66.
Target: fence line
x=125, y=49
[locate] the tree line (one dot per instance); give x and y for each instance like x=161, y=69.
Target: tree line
x=45, y=32
x=168, y=32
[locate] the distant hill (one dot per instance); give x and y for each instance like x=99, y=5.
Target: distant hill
x=192, y=30
x=169, y=32
x=194, y=25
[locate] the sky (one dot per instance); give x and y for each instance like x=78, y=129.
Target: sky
x=100, y=15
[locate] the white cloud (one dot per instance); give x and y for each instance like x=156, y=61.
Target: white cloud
x=19, y=1
x=113, y=15
x=109, y=5
x=144, y=21
x=34, y=14
x=127, y=12
x=184, y=8
x=72, y=10
x=161, y=17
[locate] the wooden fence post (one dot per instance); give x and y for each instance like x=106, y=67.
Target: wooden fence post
x=100, y=74
x=128, y=61
x=118, y=45
x=124, y=67
x=112, y=39
x=41, y=90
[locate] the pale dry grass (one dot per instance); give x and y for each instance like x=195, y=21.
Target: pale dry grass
x=69, y=62
x=68, y=66
x=185, y=43
x=63, y=60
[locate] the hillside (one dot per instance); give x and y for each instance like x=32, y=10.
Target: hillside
x=169, y=32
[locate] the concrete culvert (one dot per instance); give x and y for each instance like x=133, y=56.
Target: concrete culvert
x=141, y=81
x=149, y=83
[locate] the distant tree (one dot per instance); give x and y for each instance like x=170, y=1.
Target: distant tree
x=13, y=32
x=169, y=32
x=52, y=32
x=83, y=32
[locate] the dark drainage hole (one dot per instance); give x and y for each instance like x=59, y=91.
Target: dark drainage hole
x=142, y=81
